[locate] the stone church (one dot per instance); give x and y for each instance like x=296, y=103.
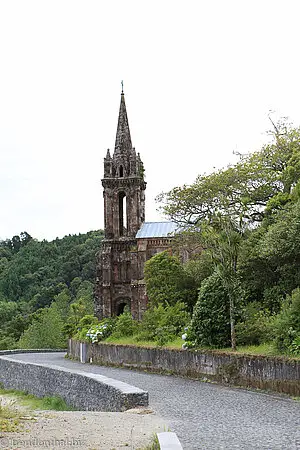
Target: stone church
x=129, y=240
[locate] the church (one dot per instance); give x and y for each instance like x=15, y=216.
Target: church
x=129, y=241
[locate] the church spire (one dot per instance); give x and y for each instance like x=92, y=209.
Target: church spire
x=123, y=139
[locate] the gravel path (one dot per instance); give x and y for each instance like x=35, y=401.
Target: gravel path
x=206, y=416
x=81, y=430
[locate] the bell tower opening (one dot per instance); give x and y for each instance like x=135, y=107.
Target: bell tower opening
x=121, y=172
x=122, y=214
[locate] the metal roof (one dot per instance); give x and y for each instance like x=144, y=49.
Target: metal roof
x=156, y=229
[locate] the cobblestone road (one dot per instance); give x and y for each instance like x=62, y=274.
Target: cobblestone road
x=206, y=416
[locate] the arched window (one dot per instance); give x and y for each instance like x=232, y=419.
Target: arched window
x=122, y=214
x=121, y=174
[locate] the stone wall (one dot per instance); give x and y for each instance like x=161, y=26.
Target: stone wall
x=263, y=372
x=81, y=390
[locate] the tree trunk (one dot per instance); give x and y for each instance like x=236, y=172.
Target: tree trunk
x=232, y=322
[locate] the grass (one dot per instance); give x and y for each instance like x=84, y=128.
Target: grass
x=154, y=444
x=132, y=340
x=10, y=419
x=262, y=349
x=267, y=349
x=55, y=403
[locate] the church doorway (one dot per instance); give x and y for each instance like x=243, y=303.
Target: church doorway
x=122, y=306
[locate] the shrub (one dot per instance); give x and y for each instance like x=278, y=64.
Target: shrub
x=167, y=282
x=294, y=348
x=255, y=328
x=163, y=323
x=84, y=325
x=210, y=324
x=6, y=342
x=287, y=322
x=101, y=331
x=45, y=331
x=125, y=325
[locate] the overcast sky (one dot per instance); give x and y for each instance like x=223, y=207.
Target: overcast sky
x=199, y=79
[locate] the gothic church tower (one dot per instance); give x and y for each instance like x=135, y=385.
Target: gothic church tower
x=124, y=187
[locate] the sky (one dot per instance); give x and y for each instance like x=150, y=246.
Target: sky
x=200, y=78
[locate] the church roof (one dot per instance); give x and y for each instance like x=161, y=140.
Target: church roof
x=156, y=230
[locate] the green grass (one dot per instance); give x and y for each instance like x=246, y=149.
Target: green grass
x=154, y=444
x=10, y=419
x=132, y=340
x=55, y=403
x=267, y=349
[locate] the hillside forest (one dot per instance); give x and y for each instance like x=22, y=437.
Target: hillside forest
x=239, y=287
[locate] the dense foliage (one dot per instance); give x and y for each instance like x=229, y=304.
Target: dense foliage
x=167, y=282
x=45, y=283
x=245, y=220
x=210, y=322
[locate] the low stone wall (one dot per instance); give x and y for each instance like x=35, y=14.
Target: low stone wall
x=81, y=390
x=263, y=372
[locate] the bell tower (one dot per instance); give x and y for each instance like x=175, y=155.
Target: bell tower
x=124, y=213
x=124, y=185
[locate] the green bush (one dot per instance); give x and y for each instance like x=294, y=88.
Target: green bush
x=255, y=328
x=125, y=325
x=163, y=323
x=294, y=348
x=45, y=331
x=287, y=322
x=210, y=324
x=167, y=282
x=7, y=343
x=100, y=331
x=84, y=325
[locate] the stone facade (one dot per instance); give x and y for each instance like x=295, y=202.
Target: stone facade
x=120, y=268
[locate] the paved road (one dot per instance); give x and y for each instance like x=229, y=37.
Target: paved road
x=207, y=416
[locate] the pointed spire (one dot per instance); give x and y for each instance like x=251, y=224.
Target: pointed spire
x=123, y=139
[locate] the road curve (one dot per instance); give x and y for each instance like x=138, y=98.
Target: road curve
x=204, y=415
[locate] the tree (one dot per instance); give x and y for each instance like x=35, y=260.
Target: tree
x=244, y=189
x=220, y=209
x=166, y=281
x=269, y=260
x=211, y=317
x=222, y=238
x=45, y=331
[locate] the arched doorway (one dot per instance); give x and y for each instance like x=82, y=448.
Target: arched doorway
x=122, y=305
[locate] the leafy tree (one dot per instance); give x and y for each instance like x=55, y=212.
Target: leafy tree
x=35, y=274
x=287, y=322
x=244, y=189
x=167, y=282
x=269, y=263
x=220, y=209
x=45, y=331
x=210, y=325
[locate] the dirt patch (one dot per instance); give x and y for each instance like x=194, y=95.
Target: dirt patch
x=82, y=430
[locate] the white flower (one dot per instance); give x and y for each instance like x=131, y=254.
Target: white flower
x=184, y=336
